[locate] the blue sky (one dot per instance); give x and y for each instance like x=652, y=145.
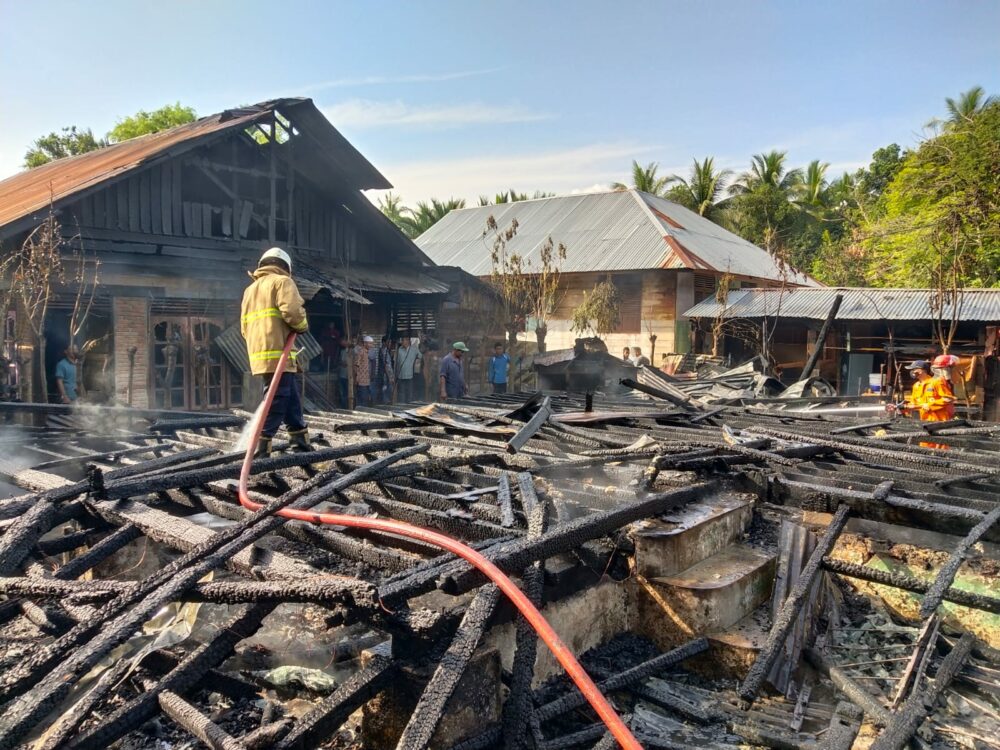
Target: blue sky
x=465, y=98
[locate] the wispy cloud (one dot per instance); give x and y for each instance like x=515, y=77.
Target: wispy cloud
x=388, y=80
x=366, y=113
x=585, y=168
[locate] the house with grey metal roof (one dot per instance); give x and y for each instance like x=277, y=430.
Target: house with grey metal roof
x=875, y=332
x=662, y=257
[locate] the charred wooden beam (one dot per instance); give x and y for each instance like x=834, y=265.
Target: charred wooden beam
x=936, y=591
x=909, y=717
x=540, y=417
x=517, y=708
x=910, y=583
x=430, y=707
x=195, y=722
x=516, y=555
x=318, y=590
x=789, y=611
x=844, y=727
x=860, y=697
x=56, y=670
x=504, y=501
x=821, y=338
x=621, y=680
x=186, y=676
x=335, y=708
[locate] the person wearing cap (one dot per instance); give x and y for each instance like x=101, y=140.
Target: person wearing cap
x=452, y=376
x=273, y=308
x=930, y=397
x=363, y=372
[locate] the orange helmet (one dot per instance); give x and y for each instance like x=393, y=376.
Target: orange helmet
x=945, y=360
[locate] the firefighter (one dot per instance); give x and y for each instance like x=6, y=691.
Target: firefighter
x=931, y=397
x=941, y=368
x=272, y=308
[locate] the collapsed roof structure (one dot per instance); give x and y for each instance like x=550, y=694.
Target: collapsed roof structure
x=669, y=543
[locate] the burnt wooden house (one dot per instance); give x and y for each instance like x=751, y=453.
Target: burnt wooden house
x=177, y=219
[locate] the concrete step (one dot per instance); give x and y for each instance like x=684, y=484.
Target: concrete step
x=674, y=542
x=711, y=595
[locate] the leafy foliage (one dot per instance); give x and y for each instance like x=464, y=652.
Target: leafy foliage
x=600, y=311
x=702, y=191
x=144, y=123
x=644, y=179
x=72, y=141
x=512, y=196
x=68, y=142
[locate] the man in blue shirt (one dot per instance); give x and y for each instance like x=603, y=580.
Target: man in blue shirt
x=452, y=377
x=497, y=368
x=66, y=376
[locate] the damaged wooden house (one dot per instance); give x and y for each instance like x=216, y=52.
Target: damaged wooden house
x=175, y=221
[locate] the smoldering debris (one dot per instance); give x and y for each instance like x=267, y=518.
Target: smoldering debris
x=651, y=532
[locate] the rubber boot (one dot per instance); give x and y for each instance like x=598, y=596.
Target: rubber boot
x=263, y=447
x=298, y=441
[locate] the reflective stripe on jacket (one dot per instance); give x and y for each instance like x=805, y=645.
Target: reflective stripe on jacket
x=272, y=308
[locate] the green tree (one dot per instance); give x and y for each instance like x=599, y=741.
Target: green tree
x=392, y=206
x=144, y=123
x=69, y=142
x=702, y=191
x=426, y=215
x=600, y=311
x=810, y=194
x=644, y=179
x=941, y=219
x=511, y=196
x=767, y=170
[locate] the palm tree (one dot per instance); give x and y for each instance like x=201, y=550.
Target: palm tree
x=392, y=206
x=426, y=215
x=968, y=105
x=811, y=190
x=701, y=191
x=767, y=169
x=644, y=179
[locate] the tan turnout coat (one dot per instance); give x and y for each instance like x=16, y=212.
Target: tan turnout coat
x=272, y=308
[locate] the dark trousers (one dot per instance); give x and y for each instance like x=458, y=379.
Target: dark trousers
x=499, y=387
x=362, y=395
x=286, y=407
x=404, y=391
x=342, y=392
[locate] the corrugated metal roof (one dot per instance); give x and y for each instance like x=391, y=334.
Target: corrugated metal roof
x=859, y=304
x=310, y=280
x=615, y=231
x=369, y=278
x=28, y=193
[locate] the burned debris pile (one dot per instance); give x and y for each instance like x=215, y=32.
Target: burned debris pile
x=729, y=574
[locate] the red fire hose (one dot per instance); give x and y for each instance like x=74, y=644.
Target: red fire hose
x=491, y=571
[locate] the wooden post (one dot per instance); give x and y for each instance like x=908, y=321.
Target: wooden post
x=273, y=178
x=821, y=338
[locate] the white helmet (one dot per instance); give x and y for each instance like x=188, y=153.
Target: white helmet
x=277, y=252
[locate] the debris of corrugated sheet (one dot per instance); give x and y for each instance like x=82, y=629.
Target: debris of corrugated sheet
x=28, y=193
x=369, y=278
x=310, y=280
x=234, y=348
x=859, y=304
x=615, y=231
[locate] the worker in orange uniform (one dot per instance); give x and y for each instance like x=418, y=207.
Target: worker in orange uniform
x=941, y=368
x=931, y=396
x=273, y=308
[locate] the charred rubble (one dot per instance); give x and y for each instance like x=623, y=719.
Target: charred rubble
x=732, y=575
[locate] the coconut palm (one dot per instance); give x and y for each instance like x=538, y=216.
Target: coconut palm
x=392, y=206
x=767, y=169
x=702, y=190
x=644, y=179
x=426, y=215
x=968, y=105
x=810, y=192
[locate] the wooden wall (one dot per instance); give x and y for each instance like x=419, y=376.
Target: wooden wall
x=648, y=305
